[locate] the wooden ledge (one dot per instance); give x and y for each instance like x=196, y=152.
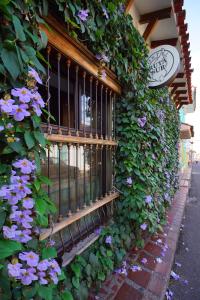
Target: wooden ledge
x=75, y=50
x=59, y=138
x=77, y=216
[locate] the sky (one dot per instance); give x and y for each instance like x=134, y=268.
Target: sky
x=192, y=8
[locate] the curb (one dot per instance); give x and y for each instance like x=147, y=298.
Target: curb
x=152, y=281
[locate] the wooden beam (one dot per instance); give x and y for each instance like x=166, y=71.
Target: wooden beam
x=149, y=29
x=156, y=15
x=178, y=84
x=59, y=138
x=77, y=216
x=59, y=39
x=129, y=3
x=183, y=98
x=174, y=90
x=182, y=91
x=180, y=75
x=171, y=42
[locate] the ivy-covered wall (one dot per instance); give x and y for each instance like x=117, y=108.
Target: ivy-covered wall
x=147, y=127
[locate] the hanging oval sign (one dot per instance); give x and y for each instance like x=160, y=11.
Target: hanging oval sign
x=164, y=62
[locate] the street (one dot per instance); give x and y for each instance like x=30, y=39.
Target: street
x=187, y=262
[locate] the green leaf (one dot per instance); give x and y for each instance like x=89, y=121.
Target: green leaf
x=45, y=292
x=101, y=276
x=18, y=29
x=29, y=139
x=11, y=62
x=8, y=248
x=40, y=138
x=76, y=269
x=29, y=292
x=18, y=147
x=45, y=180
x=49, y=253
x=2, y=218
x=37, y=161
x=40, y=206
x=37, y=185
x=75, y=282
x=66, y=295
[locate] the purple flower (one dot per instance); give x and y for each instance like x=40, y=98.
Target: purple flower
x=32, y=73
x=108, y=240
x=12, y=197
x=28, y=276
x=105, y=13
x=37, y=99
x=23, y=236
x=51, y=243
x=153, y=156
x=54, y=266
x=103, y=74
x=20, y=112
x=9, y=126
x=185, y=282
x=144, y=260
x=148, y=199
x=143, y=226
x=42, y=279
x=83, y=14
x=37, y=109
x=23, y=93
x=174, y=275
x=28, y=203
x=26, y=166
x=22, y=218
x=21, y=190
x=24, y=179
x=2, y=128
x=135, y=268
x=129, y=181
x=4, y=190
x=142, y=121
x=6, y=105
x=43, y=265
x=30, y=257
x=98, y=56
x=14, y=270
x=10, y=232
x=169, y=294
x=98, y=231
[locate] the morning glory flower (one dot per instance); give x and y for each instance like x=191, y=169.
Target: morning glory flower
x=22, y=218
x=23, y=93
x=32, y=73
x=144, y=260
x=103, y=74
x=142, y=121
x=98, y=231
x=23, y=236
x=2, y=128
x=28, y=276
x=31, y=258
x=6, y=105
x=10, y=232
x=26, y=166
x=129, y=181
x=43, y=265
x=38, y=99
x=14, y=270
x=148, y=199
x=135, y=268
x=169, y=294
x=9, y=126
x=143, y=226
x=174, y=275
x=42, y=279
x=28, y=203
x=83, y=14
x=20, y=112
x=105, y=13
x=108, y=240
x=36, y=109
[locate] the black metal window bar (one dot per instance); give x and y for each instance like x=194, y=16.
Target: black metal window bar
x=81, y=171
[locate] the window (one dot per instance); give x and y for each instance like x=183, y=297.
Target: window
x=80, y=160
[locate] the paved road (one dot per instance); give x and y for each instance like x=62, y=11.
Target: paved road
x=188, y=251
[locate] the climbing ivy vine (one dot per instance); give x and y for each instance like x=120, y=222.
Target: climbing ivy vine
x=147, y=127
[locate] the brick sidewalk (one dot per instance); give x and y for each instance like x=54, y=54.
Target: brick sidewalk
x=151, y=281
